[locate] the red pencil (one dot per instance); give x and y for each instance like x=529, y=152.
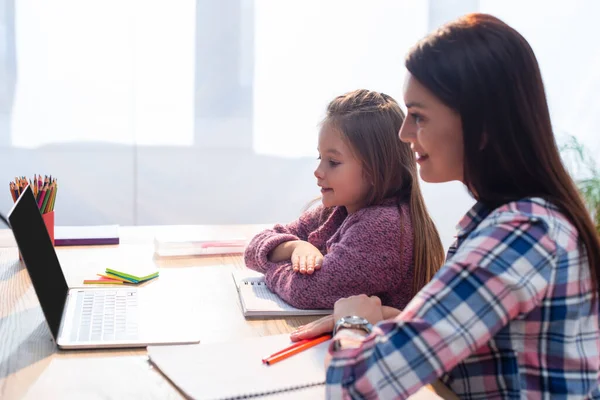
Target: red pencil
x=292, y=346
x=295, y=349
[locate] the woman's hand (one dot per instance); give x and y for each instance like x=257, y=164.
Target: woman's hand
x=306, y=258
x=368, y=307
x=325, y=325
x=313, y=329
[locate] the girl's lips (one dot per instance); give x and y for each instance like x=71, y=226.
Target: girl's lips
x=325, y=190
x=421, y=158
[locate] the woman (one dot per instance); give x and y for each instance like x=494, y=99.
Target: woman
x=513, y=313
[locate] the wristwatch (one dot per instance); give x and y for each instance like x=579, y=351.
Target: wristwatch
x=350, y=338
x=353, y=322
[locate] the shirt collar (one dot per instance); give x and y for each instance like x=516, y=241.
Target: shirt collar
x=471, y=219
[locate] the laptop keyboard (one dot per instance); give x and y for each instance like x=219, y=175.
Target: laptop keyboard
x=105, y=315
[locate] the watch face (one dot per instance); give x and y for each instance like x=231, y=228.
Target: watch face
x=354, y=320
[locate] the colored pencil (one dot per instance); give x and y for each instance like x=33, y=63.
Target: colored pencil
x=114, y=277
x=41, y=197
x=102, y=281
x=46, y=198
x=44, y=190
x=13, y=194
x=294, y=349
x=293, y=346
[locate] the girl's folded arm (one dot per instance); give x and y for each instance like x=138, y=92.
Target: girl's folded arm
x=256, y=254
x=361, y=262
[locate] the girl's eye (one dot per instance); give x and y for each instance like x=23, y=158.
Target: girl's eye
x=416, y=117
x=331, y=162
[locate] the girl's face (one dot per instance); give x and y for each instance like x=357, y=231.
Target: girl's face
x=434, y=132
x=340, y=174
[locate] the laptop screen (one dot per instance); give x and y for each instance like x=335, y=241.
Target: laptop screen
x=40, y=258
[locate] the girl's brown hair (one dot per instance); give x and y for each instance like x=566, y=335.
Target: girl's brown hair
x=370, y=121
x=487, y=72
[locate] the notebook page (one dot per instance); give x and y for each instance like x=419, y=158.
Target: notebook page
x=258, y=300
x=234, y=369
x=258, y=297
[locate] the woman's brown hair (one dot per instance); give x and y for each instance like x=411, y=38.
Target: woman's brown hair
x=487, y=72
x=369, y=121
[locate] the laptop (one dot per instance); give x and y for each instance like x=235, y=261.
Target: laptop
x=90, y=317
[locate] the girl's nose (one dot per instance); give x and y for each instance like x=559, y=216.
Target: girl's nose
x=318, y=172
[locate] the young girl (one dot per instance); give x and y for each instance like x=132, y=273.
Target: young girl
x=514, y=311
x=361, y=239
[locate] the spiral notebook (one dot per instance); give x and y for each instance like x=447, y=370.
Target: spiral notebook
x=257, y=300
x=234, y=370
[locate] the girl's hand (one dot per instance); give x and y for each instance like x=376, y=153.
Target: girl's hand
x=306, y=258
x=325, y=325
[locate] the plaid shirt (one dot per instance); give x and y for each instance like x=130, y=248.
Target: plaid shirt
x=510, y=315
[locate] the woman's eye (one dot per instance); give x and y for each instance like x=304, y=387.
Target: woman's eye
x=416, y=117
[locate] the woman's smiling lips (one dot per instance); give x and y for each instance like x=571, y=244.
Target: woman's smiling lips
x=421, y=157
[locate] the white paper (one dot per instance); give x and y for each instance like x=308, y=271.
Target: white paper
x=235, y=369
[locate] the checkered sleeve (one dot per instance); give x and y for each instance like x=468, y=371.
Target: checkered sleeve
x=501, y=271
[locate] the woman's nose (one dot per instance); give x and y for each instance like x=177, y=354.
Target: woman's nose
x=405, y=133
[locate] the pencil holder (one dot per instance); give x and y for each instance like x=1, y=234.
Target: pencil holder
x=49, y=222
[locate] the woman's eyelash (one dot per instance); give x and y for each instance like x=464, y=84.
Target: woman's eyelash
x=416, y=117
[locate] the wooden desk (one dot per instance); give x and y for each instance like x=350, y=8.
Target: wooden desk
x=32, y=367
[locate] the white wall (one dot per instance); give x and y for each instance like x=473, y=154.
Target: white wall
x=114, y=104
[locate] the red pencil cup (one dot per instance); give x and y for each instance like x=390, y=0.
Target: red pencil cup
x=49, y=222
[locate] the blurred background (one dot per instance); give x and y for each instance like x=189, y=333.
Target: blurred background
x=206, y=111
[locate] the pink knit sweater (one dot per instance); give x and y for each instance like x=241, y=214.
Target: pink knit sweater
x=370, y=252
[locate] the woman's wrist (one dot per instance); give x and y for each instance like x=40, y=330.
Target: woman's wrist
x=347, y=338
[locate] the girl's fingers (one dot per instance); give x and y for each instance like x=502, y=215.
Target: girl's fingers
x=318, y=262
x=306, y=264
x=310, y=264
x=302, y=264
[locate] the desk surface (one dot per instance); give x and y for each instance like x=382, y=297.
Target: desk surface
x=32, y=367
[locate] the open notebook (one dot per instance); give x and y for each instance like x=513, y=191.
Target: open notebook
x=258, y=300
x=234, y=369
